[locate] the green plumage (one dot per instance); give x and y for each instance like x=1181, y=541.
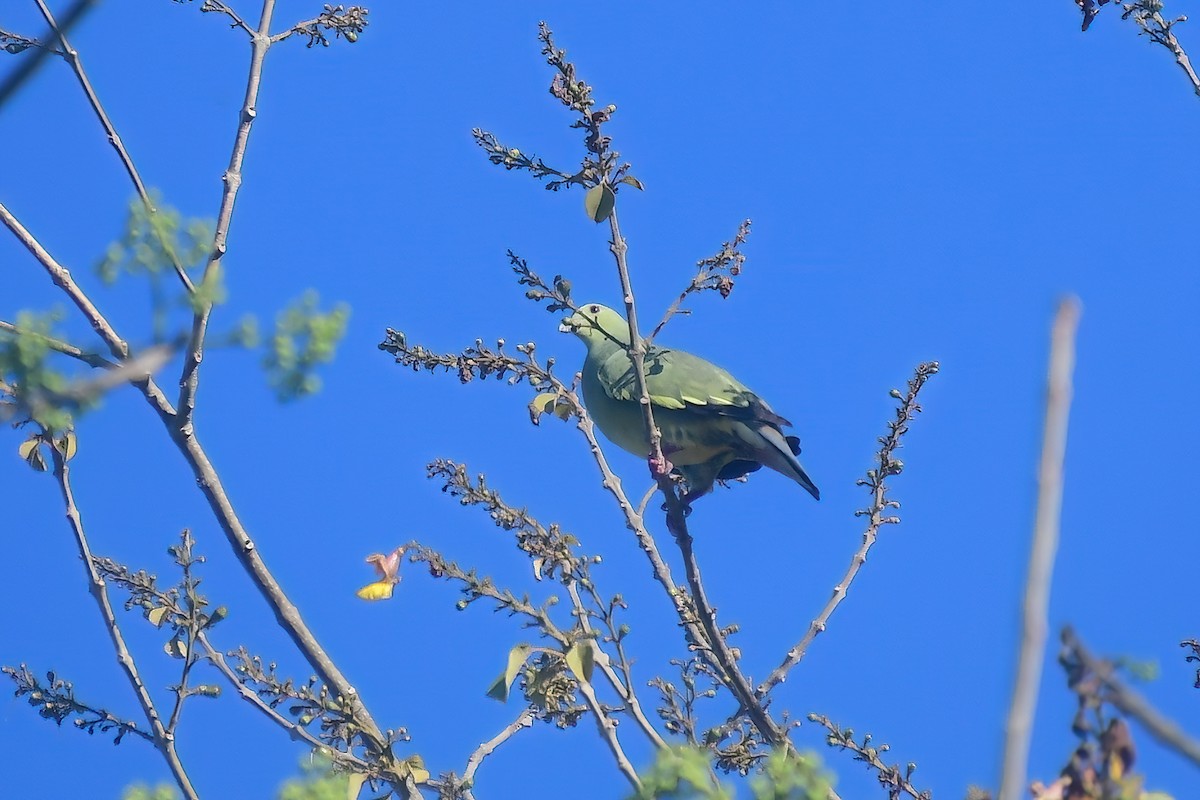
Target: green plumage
x=713, y=426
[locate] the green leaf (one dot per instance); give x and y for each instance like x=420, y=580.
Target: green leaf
x=581, y=658
x=516, y=659
x=158, y=615
x=599, y=202
x=175, y=649
x=634, y=182
x=415, y=765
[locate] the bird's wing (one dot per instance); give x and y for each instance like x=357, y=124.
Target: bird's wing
x=682, y=381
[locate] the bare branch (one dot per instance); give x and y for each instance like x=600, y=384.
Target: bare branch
x=714, y=273
x=62, y=279
x=189, y=379
x=525, y=720
x=1148, y=16
x=59, y=346
x=19, y=76
x=164, y=741
x=891, y=777
x=217, y=7
x=1019, y=728
x=885, y=466
x=72, y=57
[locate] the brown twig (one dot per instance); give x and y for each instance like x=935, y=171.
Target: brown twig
x=885, y=465
x=1131, y=703
x=1019, y=728
x=164, y=740
x=72, y=57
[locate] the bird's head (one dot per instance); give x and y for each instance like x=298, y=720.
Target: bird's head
x=595, y=324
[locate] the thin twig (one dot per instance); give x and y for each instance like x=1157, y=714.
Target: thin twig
x=238, y=22
x=676, y=519
x=210, y=485
x=525, y=720
x=1130, y=702
x=885, y=465
x=608, y=732
x=1153, y=24
x=59, y=346
x=298, y=732
x=624, y=688
x=189, y=379
x=1019, y=728
x=72, y=57
x=62, y=279
x=24, y=72
x=164, y=740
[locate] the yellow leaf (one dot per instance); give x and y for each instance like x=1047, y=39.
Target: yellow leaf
x=415, y=766
x=158, y=615
x=28, y=446
x=354, y=784
x=67, y=445
x=379, y=590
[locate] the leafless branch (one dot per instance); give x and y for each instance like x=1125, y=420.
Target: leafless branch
x=885, y=466
x=895, y=780
x=59, y=346
x=525, y=720
x=217, y=7
x=713, y=273
x=189, y=379
x=72, y=57
x=62, y=279
x=164, y=740
x=1019, y=729
x=207, y=479
x=19, y=76
x=1147, y=15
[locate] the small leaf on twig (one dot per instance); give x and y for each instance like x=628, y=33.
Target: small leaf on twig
x=599, y=202
x=158, y=615
x=581, y=658
x=548, y=403
x=516, y=659
x=30, y=450
x=634, y=182
x=67, y=444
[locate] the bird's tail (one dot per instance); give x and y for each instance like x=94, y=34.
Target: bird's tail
x=777, y=452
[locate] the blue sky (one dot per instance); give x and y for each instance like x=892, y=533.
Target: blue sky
x=924, y=183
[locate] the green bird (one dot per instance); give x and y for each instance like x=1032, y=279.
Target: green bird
x=713, y=427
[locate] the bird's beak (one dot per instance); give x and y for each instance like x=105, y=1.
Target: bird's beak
x=569, y=325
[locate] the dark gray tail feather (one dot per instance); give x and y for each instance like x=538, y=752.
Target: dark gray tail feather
x=781, y=457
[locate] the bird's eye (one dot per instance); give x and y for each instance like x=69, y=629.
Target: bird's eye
x=594, y=309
